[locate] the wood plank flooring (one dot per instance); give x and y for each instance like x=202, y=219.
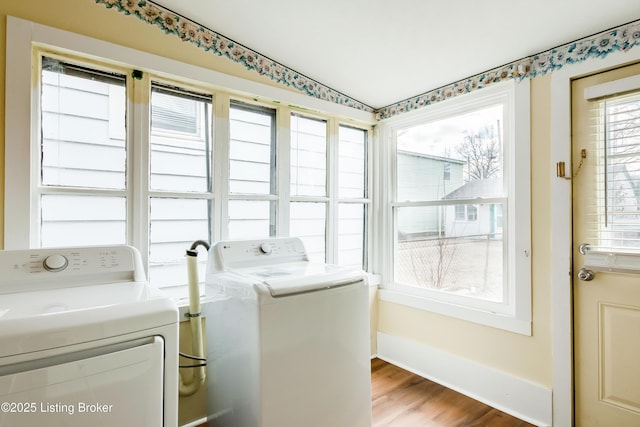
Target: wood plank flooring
x=403, y=399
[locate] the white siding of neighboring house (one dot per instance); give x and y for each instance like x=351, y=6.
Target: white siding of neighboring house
x=488, y=221
x=480, y=226
x=421, y=178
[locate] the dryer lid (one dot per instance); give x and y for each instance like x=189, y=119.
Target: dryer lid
x=38, y=320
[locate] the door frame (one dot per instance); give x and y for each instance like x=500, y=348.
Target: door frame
x=561, y=246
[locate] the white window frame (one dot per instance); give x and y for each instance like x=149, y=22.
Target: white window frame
x=22, y=128
x=515, y=313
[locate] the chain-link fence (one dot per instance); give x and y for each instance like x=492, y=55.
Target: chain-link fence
x=466, y=265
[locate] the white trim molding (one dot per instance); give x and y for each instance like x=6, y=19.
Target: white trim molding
x=518, y=397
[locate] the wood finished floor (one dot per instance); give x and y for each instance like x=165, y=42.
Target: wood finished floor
x=403, y=399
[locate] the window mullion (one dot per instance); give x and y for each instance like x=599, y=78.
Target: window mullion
x=220, y=173
x=333, y=154
x=138, y=164
x=283, y=170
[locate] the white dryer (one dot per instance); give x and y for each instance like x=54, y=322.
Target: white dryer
x=287, y=339
x=85, y=341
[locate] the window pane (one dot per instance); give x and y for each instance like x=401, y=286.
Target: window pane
x=459, y=157
x=252, y=150
x=352, y=163
x=619, y=176
x=180, y=141
x=83, y=127
x=82, y=220
x=351, y=233
x=437, y=250
x=472, y=213
x=308, y=222
x=251, y=219
x=174, y=224
x=308, y=157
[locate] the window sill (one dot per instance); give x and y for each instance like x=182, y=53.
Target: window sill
x=373, y=280
x=475, y=315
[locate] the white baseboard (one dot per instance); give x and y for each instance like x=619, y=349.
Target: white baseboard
x=196, y=423
x=521, y=398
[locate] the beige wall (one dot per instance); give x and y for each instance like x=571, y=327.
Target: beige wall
x=522, y=356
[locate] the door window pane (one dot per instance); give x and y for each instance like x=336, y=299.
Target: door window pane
x=252, y=159
x=180, y=140
x=308, y=222
x=618, y=141
x=308, y=157
x=83, y=127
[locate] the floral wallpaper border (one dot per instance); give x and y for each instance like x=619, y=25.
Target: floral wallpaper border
x=204, y=38
x=600, y=45
x=621, y=38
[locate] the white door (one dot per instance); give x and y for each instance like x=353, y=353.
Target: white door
x=606, y=215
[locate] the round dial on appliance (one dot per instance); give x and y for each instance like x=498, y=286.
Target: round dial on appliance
x=265, y=248
x=55, y=263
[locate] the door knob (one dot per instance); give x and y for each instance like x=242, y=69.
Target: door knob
x=585, y=275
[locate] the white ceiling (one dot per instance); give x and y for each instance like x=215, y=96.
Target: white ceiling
x=380, y=52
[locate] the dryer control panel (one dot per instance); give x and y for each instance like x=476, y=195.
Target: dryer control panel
x=33, y=269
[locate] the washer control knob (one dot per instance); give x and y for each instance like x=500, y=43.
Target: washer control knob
x=55, y=263
x=265, y=248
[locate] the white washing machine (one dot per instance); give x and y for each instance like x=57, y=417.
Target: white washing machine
x=84, y=340
x=287, y=339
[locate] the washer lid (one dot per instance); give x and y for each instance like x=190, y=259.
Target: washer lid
x=299, y=277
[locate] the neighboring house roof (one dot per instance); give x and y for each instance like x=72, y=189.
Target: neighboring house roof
x=429, y=156
x=485, y=188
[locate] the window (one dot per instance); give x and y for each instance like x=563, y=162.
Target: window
x=446, y=173
x=314, y=192
x=145, y=161
x=84, y=191
x=433, y=250
x=252, y=169
x=180, y=182
x=617, y=139
x=353, y=197
x=454, y=218
x=472, y=212
x=82, y=195
x=308, y=179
